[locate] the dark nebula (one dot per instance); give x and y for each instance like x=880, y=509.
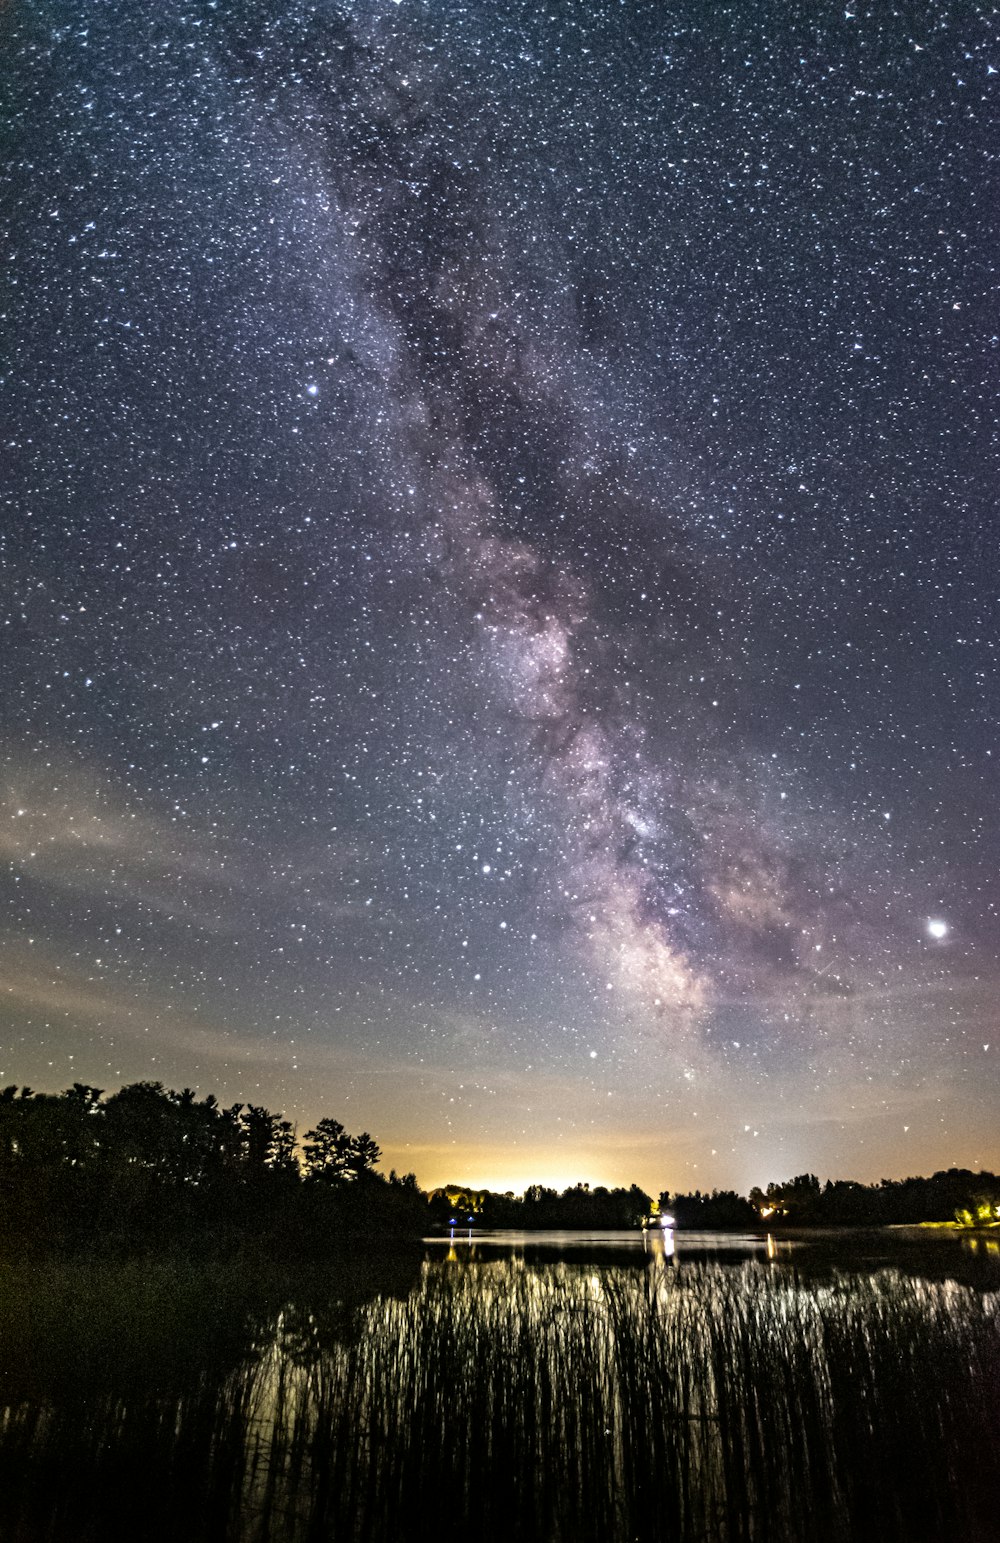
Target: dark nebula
x=500, y=575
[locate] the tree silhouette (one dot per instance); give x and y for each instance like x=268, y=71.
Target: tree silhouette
x=365, y=1156
x=328, y=1152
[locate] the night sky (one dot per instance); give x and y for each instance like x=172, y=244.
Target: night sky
x=500, y=599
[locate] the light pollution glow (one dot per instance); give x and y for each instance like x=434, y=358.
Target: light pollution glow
x=501, y=629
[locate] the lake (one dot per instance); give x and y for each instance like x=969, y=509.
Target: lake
x=512, y=1386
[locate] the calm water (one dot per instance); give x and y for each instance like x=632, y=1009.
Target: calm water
x=519, y=1387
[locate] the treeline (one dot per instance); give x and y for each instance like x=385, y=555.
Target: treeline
x=972, y=1199
x=540, y=1208
x=147, y=1165
x=953, y=1194
x=580, y=1206
x=723, y=1210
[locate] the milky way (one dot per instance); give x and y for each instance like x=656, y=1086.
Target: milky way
x=501, y=580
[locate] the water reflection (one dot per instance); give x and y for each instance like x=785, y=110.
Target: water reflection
x=658, y=1242
x=988, y=1246
x=610, y=1392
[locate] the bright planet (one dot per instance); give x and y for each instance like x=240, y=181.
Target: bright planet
x=500, y=548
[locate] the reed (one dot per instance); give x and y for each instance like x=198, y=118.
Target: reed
x=555, y=1401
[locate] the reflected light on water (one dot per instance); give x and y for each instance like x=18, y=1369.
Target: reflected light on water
x=659, y=1243
x=985, y=1245
x=538, y=1389
x=697, y=1371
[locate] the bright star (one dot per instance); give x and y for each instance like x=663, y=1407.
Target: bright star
x=937, y=929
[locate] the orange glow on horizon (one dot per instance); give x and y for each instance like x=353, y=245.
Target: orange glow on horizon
x=478, y=1168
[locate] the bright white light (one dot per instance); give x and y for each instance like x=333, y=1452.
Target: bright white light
x=937, y=929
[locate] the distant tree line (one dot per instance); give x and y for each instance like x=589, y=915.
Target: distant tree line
x=953, y=1194
x=540, y=1208
x=723, y=1210
x=146, y=1165
x=972, y=1199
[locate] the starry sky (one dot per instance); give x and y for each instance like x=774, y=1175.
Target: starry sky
x=500, y=580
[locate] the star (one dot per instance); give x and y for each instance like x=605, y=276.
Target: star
x=646, y=499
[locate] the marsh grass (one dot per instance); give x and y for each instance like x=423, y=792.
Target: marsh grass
x=557, y=1401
